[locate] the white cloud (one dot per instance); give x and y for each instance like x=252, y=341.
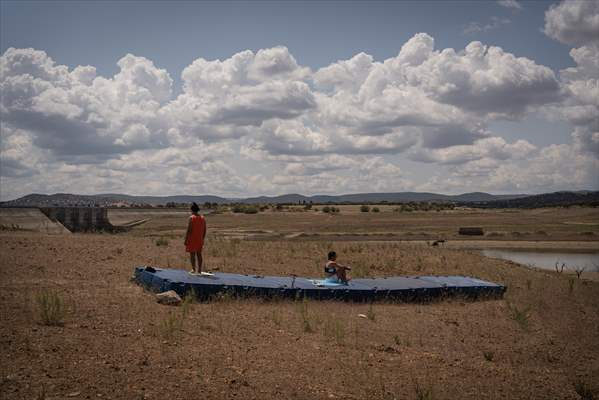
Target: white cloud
x=492, y=148
x=511, y=4
x=342, y=128
x=492, y=24
x=76, y=113
x=574, y=22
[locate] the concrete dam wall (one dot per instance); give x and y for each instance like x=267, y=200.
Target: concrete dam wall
x=80, y=219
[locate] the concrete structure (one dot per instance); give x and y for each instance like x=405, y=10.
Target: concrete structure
x=77, y=219
x=28, y=219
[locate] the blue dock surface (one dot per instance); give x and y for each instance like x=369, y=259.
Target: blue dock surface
x=399, y=288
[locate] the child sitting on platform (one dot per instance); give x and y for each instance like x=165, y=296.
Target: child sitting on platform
x=334, y=271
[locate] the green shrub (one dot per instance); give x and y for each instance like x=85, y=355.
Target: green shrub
x=584, y=391
x=521, y=316
x=375, y=209
x=326, y=209
x=171, y=326
x=161, y=242
x=364, y=208
x=51, y=308
x=489, y=355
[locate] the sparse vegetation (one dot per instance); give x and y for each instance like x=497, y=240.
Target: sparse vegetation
x=235, y=347
x=276, y=317
x=305, y=319
x=584, y=391
x=161, y=242
x=521, y=316
x=570, y=285
x=579, y=271
x=247, y=209
x=370, y=313
x=423, y=393
x=171, y=326
x=334, y=329
x=364, y=208
x=52, y=310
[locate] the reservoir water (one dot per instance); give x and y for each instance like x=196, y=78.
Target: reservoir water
x=547, y=260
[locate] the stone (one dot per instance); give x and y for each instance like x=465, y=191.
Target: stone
x=170, y=298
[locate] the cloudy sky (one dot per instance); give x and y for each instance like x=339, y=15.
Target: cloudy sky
x=250, y=98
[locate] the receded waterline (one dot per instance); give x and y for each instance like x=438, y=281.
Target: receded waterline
x=547, y=259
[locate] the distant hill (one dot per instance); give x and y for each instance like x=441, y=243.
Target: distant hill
x=105, y=200
x=116, y=199
x=397, y=197
x=475, y=199
x=589, y=198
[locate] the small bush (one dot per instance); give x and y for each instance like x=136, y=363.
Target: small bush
x=375, y=209
x=334, y=329
x=370, y=313
x=326, y=209
x=423, y=393
x=250, y=210
x=364, y=208
x=161, y=242
x=51, y=308
x=584, y=391
x=489, y=355
x=306, y=321
x=570, y=285
x=171, y=326
x=276, y=317
x=521, y=316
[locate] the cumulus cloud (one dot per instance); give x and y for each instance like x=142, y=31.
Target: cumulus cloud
x=491, y=148
x=577, y=23
x=574, y=22
x=344, y=127
x=75, y=113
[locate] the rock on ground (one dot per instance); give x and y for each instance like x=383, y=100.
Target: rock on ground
x=170, y=298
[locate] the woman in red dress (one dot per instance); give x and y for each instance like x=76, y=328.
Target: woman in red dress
x=194, y=238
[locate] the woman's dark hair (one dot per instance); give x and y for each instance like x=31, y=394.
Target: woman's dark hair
x=194, y=207
x=332, y=255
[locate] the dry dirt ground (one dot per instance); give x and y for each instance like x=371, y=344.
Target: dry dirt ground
x=549, y=224
x=540, y=342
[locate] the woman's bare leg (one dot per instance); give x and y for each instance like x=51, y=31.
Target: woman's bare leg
x=200, y=261
x=192, y=259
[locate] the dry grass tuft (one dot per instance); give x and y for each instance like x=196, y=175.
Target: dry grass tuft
x=51, y=308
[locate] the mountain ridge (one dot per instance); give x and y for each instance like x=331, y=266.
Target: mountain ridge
x=116, y=199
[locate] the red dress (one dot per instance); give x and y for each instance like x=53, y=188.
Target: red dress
x=195, y=242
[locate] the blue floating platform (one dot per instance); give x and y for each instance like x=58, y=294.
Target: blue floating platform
x=398, y=288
